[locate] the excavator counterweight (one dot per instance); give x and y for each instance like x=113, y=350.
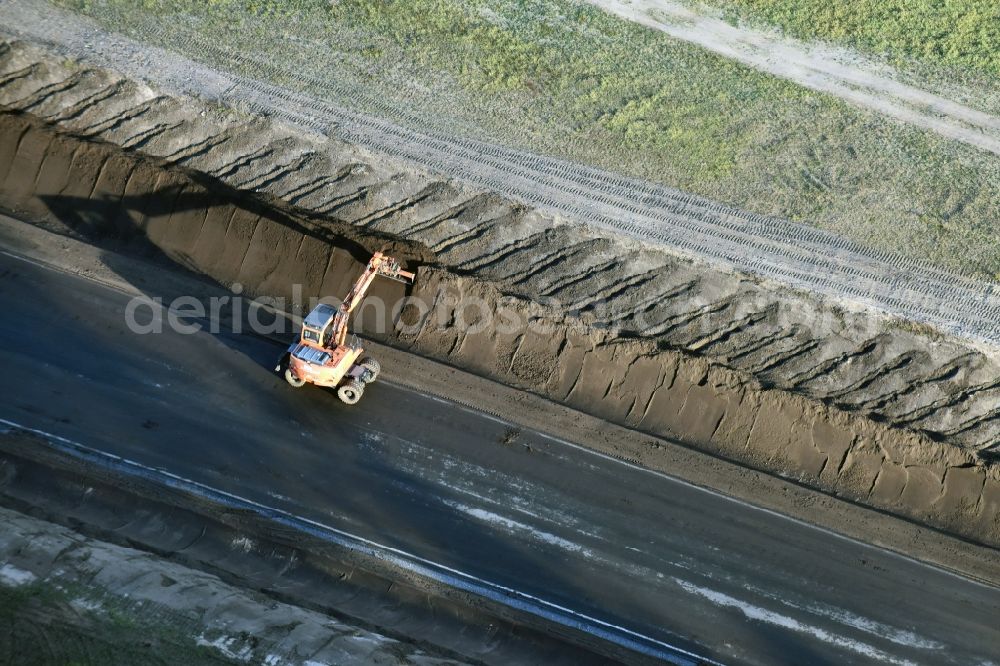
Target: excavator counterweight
x=322, y=356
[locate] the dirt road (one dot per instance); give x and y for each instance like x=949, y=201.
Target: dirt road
x=819, y=67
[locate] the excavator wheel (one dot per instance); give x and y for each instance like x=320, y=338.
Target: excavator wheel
x=351, y=392
x=292, y=379
x=371, y=369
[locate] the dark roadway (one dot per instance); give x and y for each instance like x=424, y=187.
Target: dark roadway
x=459, y=488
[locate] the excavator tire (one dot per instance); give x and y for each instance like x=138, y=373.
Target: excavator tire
x=292, y=379
x=371, y=369
x=351, y=392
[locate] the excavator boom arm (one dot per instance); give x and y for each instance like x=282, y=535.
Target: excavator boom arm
x=379, y=264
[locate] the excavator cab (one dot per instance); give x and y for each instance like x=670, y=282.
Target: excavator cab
x=322, y=355
x=316, y=325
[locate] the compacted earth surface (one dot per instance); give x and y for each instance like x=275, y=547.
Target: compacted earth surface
x=857, y=362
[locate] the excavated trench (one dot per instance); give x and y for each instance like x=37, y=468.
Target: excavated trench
x=878, y=412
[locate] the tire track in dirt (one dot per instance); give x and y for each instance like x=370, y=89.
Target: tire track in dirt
x=823, y=68
x=785, y=339
x=792, y=254
x=98, y=190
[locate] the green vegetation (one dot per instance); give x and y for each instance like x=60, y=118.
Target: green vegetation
x=43, y=625
x=961, y=33
x=562, y=77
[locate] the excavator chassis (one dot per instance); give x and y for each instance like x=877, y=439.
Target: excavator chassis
x=322, y=355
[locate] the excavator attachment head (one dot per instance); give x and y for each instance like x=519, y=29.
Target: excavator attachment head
x=390, y=268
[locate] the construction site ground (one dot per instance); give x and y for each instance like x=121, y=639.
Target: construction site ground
x=440, y=495
x=571, y=329
x=851, y=399
x=735, y=114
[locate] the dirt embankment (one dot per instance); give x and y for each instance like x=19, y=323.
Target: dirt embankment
x=897, y=373
x=146, y=205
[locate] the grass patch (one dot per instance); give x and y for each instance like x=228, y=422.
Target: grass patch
x=958, y=33
x=43, y=625
x=563, y=78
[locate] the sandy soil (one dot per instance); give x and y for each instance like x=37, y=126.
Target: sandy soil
x=819, y=67
x=532, y=412
x=829, y=390
x=478, y=245
x=899, y=372
x=658, y=218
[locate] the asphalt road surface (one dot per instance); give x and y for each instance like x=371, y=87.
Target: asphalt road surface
x=517, y=508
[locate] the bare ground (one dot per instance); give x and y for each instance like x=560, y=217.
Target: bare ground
x=654, y=217
x=836, y=352
x=531, y=412
x=688, y=330
x=146, y=206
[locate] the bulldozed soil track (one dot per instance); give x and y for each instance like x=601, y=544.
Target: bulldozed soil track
x=783, y=338
x=840, y=400
x=792, y=254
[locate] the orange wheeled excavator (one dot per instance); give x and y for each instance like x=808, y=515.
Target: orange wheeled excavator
x=322, y=356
